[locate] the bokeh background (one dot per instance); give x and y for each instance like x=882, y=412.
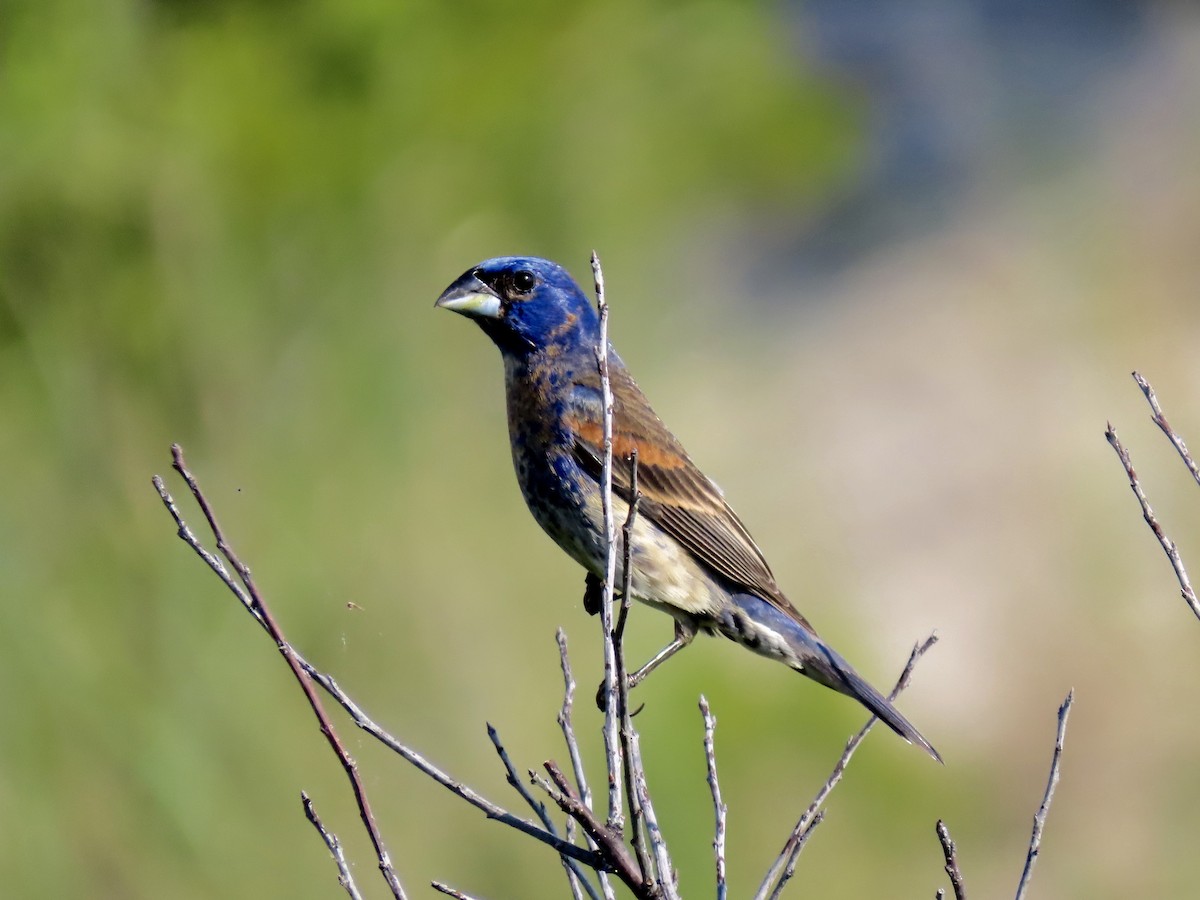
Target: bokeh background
x=885, y=268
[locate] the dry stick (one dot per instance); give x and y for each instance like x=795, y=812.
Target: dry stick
x=641, y=806
x=345, y=879
x=719, y=808
x=1039, y=820
x=452, y=892
x=360, y=718
x=264, y=615
x=790, y=870
x=610, y=842
x=1168, y=545
x=950, y=852
x=567, y=725
x=1161, y=421
x=785, y=863
x=612, y=746
x=574, y=873
x=632, y=761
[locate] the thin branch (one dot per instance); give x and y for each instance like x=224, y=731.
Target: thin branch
x=264, y=616
x=491, y=810
x=365, y=722
x=950, y=852
x=345, y=879
x=1039, y=820
x=720, y=810
x=566, y=723
x=790, y=870
x=612, y=746
x=633, y=771
x=449, y=891
x=609, y=842
x=1168, y=545
x=794, y=844
x=1161, y=421
x=575, y=874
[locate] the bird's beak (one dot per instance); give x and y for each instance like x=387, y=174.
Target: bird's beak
x=471, y=297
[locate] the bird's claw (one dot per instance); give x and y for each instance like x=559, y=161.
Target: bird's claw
x=602, y=698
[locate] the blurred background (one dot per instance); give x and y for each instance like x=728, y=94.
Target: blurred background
x=885, y=269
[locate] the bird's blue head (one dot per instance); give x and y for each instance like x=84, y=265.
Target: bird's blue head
x=524, y=304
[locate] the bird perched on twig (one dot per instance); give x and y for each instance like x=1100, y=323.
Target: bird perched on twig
x=691, y=555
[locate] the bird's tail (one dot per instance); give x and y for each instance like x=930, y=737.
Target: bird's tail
x=816, y=659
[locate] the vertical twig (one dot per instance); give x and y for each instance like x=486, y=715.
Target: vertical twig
x=566, y=723
x=1039, y=820
x=719, y=808
x=631, y=756
x=612, y=745
x=950, y=852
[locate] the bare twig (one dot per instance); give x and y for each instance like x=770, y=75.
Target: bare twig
x=632, y=760
x=345, y=879
x=566, y=723
x=263, y=614
x=360, y=718
x=449, y=891
x=790, y=870
x=950, y=852
x=575, y=874
x=719, y=808
x=612, y=745
x=609, y=842
x=491, y=810
x=1039, y=820
x=794, y=844
x=1168, y=545
x=1161, y=421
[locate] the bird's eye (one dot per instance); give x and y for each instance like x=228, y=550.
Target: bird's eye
x=523, y=281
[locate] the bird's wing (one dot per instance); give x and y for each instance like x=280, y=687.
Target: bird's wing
x=676, y=495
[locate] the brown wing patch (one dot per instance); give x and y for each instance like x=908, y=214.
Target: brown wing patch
x=676, y=495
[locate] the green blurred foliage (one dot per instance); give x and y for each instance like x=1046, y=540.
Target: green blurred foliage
x=225, y=223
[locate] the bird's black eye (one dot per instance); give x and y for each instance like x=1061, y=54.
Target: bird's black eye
x=523, y=281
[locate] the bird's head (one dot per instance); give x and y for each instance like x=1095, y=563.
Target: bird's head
x=524, y=304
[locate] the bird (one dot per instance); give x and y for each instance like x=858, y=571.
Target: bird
x=690, y=554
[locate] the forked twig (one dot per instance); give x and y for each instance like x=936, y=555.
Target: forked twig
x=255, y=602
x=331, y=687
x=784, y=864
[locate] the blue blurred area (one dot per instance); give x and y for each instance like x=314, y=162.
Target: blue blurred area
x=953, y=94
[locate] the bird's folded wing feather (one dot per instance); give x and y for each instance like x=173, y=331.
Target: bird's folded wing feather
x=676, y=495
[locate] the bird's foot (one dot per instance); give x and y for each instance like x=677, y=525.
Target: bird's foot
x=593, y=594
x=602, y=697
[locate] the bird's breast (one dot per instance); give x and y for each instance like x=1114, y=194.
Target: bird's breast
x=565, y=501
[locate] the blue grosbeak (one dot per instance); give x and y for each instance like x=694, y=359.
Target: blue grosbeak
x=691, y=556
